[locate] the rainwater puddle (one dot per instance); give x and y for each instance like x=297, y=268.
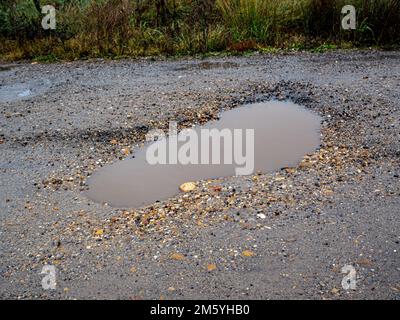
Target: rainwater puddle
x=206, y=65
x=25, y=93
x=20, y=91
x=283, y=133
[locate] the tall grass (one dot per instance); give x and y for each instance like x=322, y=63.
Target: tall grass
x=266, y=22
x=378, y=21
x=97, y=28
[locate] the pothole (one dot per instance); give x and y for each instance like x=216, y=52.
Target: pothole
x=283, y=133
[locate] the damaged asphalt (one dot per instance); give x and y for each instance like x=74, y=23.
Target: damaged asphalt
x=279, y=235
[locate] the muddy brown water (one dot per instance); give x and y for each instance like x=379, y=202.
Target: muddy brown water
x=283, y=133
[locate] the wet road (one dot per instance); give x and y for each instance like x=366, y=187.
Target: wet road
x=286, y=234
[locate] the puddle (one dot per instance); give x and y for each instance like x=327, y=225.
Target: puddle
x=25, y=93
x=21, y=91
x=283, y=133
x=206, y=65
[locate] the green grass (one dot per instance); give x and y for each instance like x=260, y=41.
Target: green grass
x=323, y=48
x=127, y=28
x=46, y=58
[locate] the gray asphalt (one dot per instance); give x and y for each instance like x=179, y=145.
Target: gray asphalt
x=284, y=235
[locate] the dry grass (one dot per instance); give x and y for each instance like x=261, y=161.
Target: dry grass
x=112, y=28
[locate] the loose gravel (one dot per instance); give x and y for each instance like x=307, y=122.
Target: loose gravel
x=269, y=236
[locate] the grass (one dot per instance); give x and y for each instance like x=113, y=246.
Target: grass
x=127, y=28
x=323, y=48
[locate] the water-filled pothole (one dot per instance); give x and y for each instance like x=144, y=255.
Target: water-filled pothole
x=283, y=133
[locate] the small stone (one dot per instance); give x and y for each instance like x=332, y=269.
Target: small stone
x=290, y=170
x=211, y=267
x=215, y=188
x=187, y=186
x=305, y=164
x=261, y=215
x=327, y=191
x=335, y=291
x=99, y=232
x=125, y=151
x=248, y=253
x=364, y=262
x=177, y=256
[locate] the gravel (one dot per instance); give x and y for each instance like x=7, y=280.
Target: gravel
x=268, y=236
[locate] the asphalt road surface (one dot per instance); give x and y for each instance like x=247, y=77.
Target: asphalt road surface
x=285, y=234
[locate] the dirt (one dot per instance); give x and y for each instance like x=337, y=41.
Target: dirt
x=286, y=234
